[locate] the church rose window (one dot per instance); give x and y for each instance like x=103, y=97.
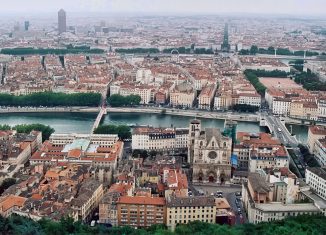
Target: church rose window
x=212, y=155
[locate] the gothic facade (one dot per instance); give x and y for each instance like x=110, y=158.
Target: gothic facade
x=209, y=153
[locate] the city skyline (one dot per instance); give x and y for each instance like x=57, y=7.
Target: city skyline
x=289, y=7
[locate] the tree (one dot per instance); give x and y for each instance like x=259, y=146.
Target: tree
x=44, y=51
x=51, y=99
x=302, y=224
x=310, y=81
x=6, y=183
x=117, y=100
x=5, y=127
x=123, y=131
x=47, y=131
x=253, y=50
x=253, y=79
x=245, y=108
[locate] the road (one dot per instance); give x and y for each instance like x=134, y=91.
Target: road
x=284, y=135
x=281, y=132
x=228, y=193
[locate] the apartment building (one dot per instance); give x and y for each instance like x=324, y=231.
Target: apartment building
x=273, y=197
x=144, y=91
x=267, y=157
x=259, y=151
x=304, y=110
x=141, y=211
x=281, y=106
x=160, y=139
x=249, y=99
x=320, y=151
x=182, y=210
x=316, y=179
x=182, y=95
x=206, y=97
x=91, y=193
x=10, y=203
x=315, y=133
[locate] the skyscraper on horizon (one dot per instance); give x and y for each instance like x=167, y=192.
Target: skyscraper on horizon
x=26, y=25
x=62, y=21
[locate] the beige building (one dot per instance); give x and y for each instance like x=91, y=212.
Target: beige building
x=182, y=95
x=182, y=210
x=223, y=101
x=315, y=133
x=206, y=97
x=304, y=110
x=91, y=193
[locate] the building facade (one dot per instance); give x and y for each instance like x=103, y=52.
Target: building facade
x=62, y=21
x=209, y=153
x=160, y=139
x=182, y=210
x=141, y=211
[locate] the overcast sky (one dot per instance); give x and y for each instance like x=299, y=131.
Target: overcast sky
x=293, y=7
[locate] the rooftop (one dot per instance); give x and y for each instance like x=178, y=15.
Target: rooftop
x=142, y=200
x=191, y=201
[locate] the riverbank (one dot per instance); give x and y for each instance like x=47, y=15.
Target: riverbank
x=76, y=109
x=243, y=117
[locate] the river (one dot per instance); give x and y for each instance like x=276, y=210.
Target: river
x=82, y=122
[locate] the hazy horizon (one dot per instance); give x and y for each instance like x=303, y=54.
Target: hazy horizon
x=275, y=7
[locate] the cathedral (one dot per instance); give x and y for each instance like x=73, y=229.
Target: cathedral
x=209, y=154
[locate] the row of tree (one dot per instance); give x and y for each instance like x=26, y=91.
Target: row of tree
x=264, y=73
x=117, y=100
x=254, y=80
x=303, y=224
x=297, y=64
x=137, y=50
x=271, y=51
x=310, y=81
x=181, y=50
x=245, y=108
x=47, y=131
x=190, y=50
x=51, y=99
x=45, y=51
x=123, y=131
x=308, y=158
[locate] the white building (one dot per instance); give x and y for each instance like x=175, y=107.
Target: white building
x=249, y=99
x=316, y=179
x=144, y=76
x=281, y=106
x=320, y=151
x=160, y=139
x=268, y=157
x=143, y=91
x=315, y=133
x=322, y=110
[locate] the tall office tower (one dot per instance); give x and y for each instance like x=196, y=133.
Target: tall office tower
x=225, y=45
x=26, y=25
x=62, y=24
